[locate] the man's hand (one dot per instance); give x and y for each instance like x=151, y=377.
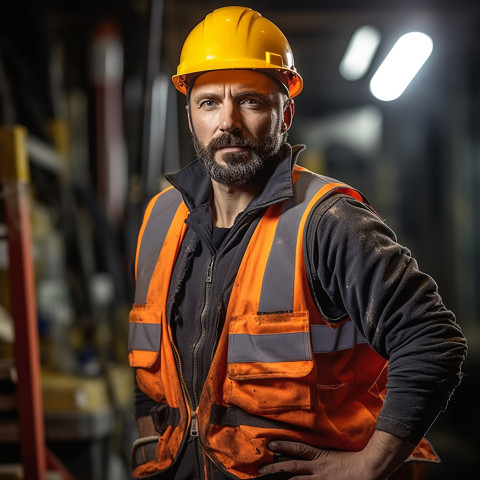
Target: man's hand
x=383, y=454
x=322, y=464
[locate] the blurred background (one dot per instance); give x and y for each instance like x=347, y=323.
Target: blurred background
x=85, y=94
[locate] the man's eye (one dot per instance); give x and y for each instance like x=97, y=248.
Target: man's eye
x=207, y=104
x=251, y=101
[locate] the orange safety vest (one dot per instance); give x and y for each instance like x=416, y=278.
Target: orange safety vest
x=280, y=371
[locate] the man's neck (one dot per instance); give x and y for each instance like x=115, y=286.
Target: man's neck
x=229, y=201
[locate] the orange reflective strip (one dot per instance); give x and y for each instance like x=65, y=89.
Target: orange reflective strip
x=301, y=286
x=243, y=299
x=159, y=285
x=353, y=193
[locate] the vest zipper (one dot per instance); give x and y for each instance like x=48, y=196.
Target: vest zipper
x=182, y=379
x=193, y=413
x=194, y=425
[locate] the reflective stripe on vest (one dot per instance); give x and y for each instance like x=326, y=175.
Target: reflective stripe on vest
x=277, y=286
x=144, y=336
x=292, y=347
x=278, y=280
x=145, y=331
x=153, y=238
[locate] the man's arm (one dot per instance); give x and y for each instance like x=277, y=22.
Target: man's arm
x=143, y=405
x=362, y=270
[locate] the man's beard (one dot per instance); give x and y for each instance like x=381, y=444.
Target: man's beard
x=240, y=168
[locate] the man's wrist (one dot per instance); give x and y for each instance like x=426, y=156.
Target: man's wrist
x=384, y=453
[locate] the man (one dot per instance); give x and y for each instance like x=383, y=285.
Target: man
x=269, y=298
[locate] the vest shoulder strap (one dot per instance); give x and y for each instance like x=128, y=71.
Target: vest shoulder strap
x=158, y=217
x=276, y=249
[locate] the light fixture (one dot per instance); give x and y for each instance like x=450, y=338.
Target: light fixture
x=359, y=53
x=401, y=65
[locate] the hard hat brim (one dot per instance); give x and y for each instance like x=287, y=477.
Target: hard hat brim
x=290, y=79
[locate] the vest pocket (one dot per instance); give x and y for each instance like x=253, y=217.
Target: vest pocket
x=144, y=335
x=269, y=363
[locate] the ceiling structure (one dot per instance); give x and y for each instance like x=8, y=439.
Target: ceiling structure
x=319, y=32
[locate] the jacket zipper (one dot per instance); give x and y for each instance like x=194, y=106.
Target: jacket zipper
x=203, y=329
x=196, y=353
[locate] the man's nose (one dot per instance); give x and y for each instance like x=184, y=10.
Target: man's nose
x=230, y=118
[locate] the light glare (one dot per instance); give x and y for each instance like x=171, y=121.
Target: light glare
x=359, y=52
x=401, y=65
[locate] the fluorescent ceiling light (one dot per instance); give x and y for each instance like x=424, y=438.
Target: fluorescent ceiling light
x=359, y=52
x=401, y=65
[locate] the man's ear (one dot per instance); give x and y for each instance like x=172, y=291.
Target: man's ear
x=189, y=117
x=288, y=113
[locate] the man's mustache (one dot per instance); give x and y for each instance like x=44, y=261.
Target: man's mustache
x=230, y=140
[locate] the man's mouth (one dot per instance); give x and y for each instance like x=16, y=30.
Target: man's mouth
x=234, y=146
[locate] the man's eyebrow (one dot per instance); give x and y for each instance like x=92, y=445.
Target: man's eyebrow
x=254, y=93
x=202, y=95
x=215, y=96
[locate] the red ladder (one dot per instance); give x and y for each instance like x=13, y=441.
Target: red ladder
x=14, y=180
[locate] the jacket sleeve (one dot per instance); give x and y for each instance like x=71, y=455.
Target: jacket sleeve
x=357, y=269
x=143, y=403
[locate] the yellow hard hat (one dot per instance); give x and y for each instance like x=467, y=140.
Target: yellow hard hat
x=237, y=38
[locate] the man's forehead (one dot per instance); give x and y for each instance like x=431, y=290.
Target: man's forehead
x=240, y=79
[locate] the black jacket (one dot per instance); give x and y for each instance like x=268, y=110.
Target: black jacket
x=356, y=269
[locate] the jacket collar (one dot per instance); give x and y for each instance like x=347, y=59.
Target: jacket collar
x=195, y=186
